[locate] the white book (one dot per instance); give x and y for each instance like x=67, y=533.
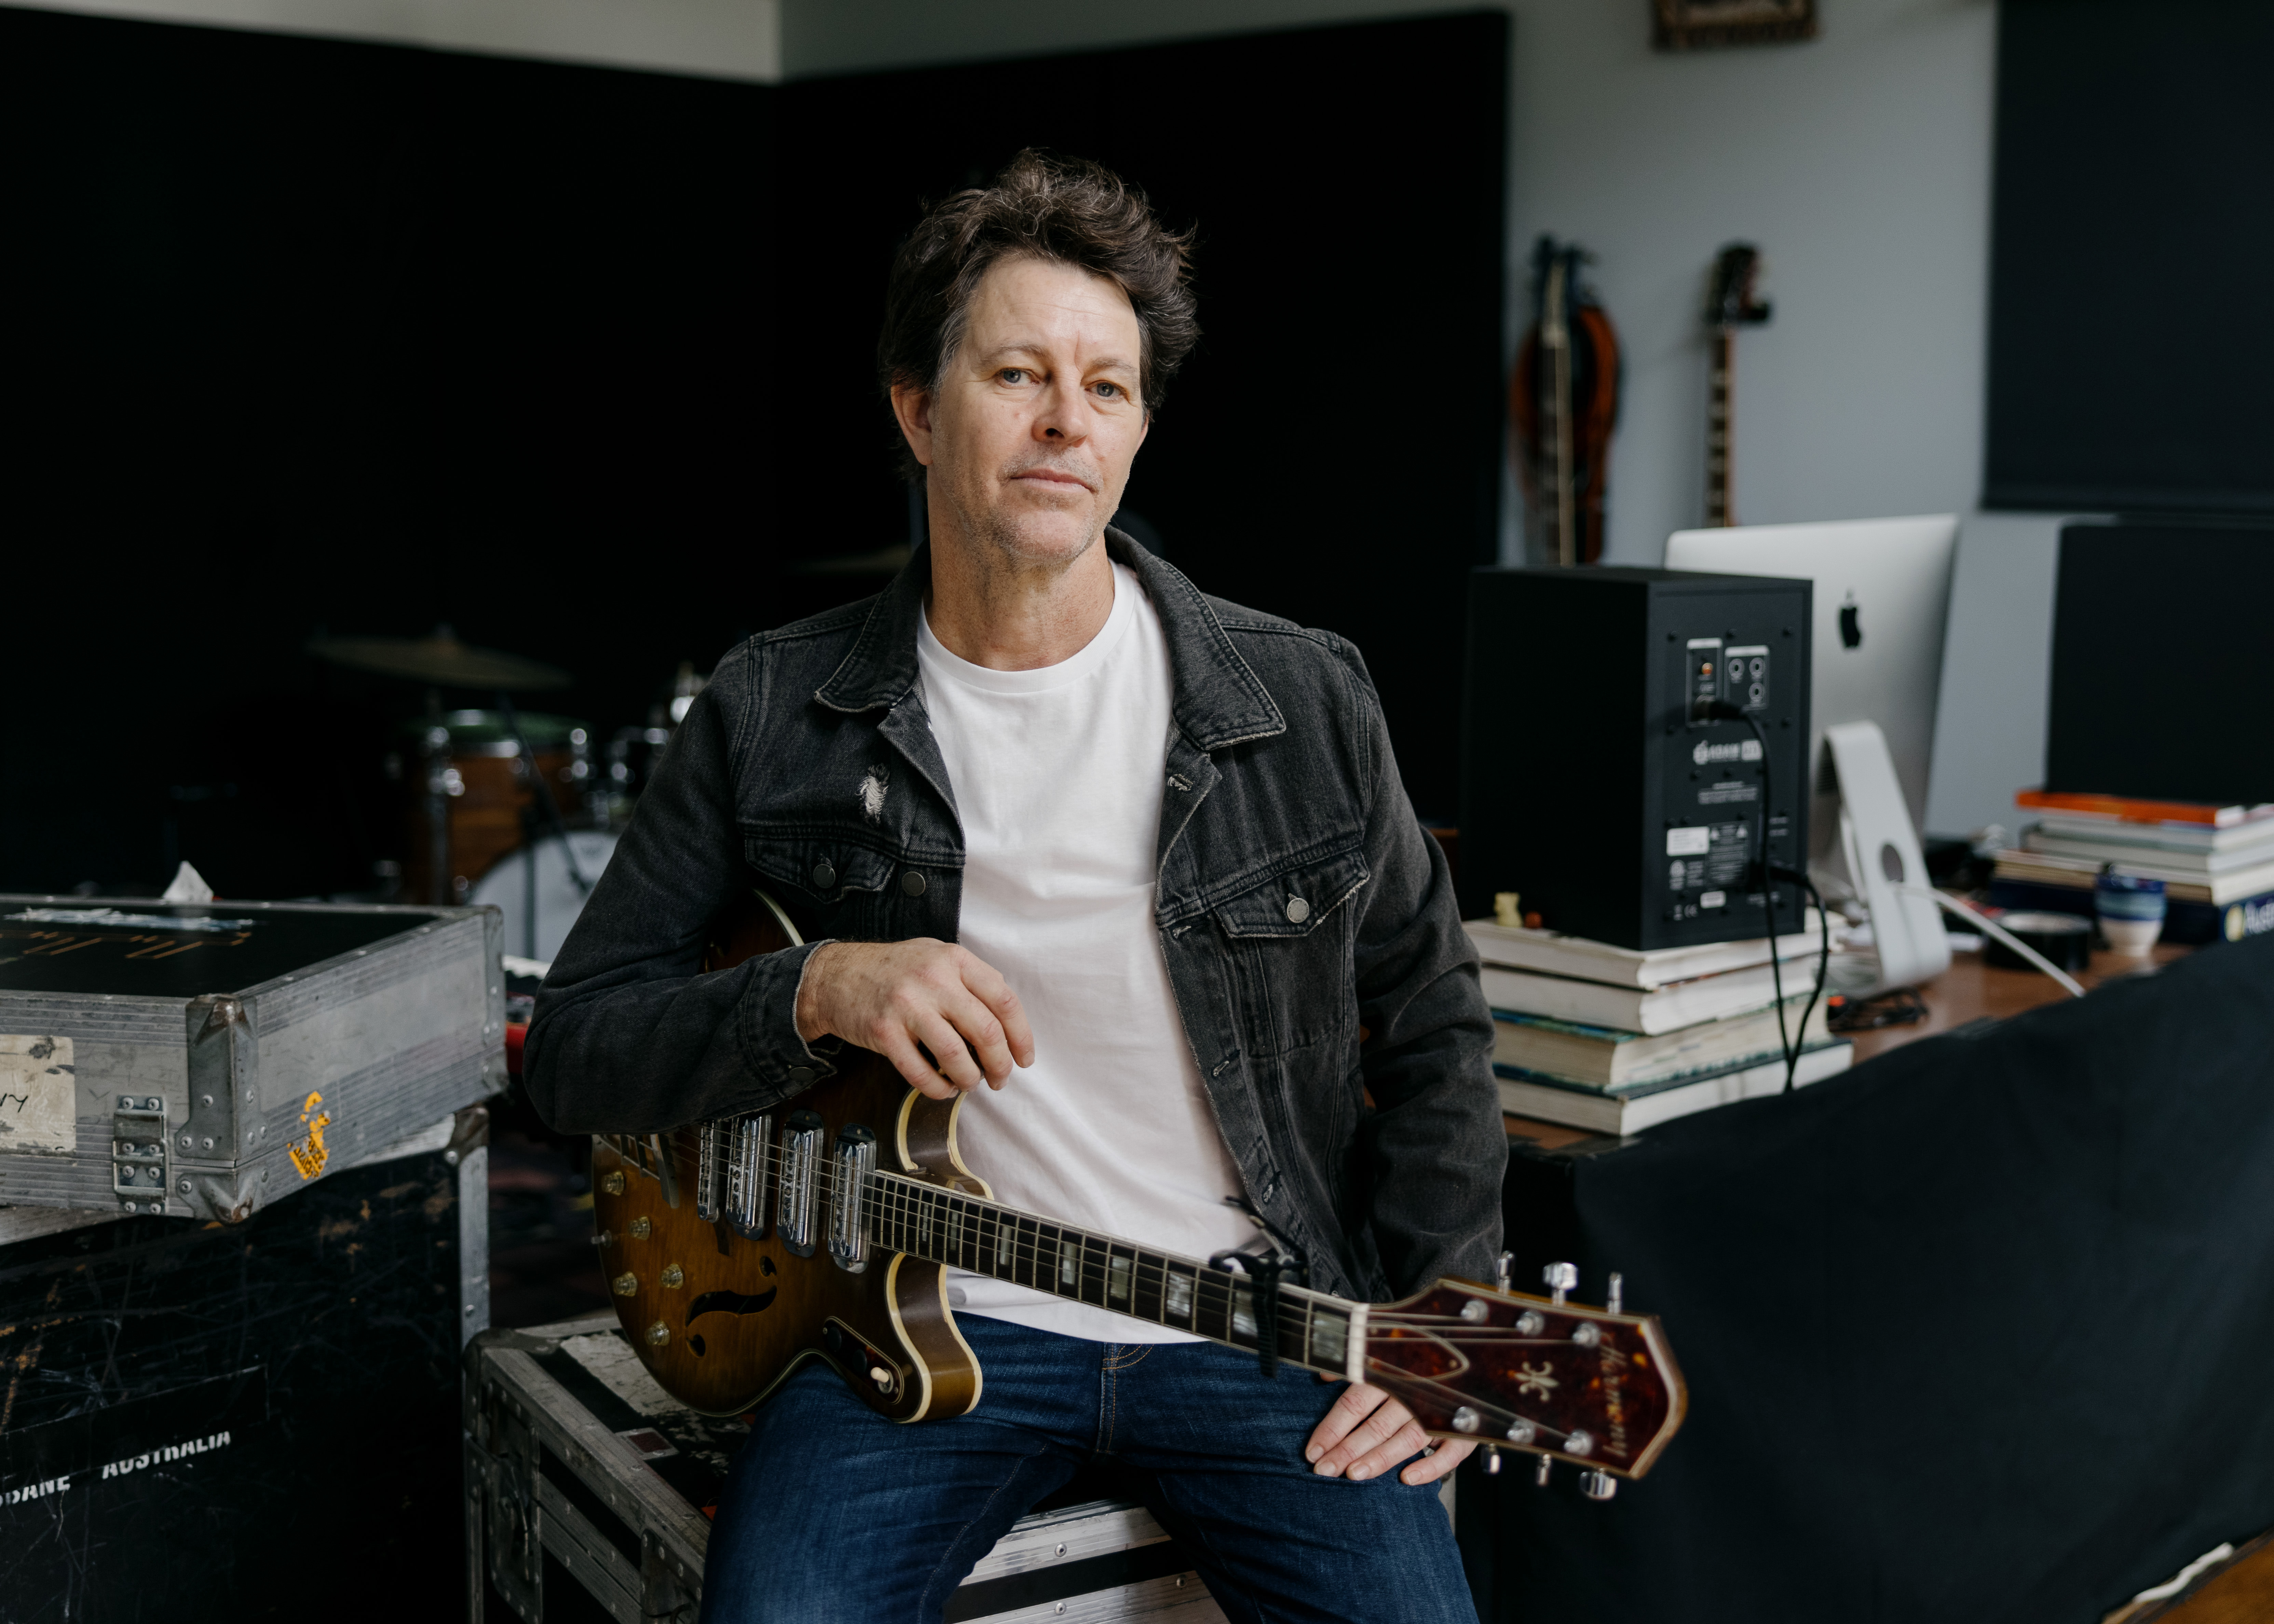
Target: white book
x=2054, y=869
x=1647, y=1010
x=1554, y=953
x=2131, y=855
x=1631, y=1112
x=1604, y=1057
x=2162, y=836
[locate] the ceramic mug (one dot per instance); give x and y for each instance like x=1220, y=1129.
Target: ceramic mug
x=2131, y=911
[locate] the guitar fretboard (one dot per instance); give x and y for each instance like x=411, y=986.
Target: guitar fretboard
x=923, y=1220
x=1723, y=349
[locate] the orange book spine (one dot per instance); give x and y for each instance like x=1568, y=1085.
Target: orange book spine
x=2129, y=808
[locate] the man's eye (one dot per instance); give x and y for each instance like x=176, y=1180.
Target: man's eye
x=1013, y=374
x=1110, y=391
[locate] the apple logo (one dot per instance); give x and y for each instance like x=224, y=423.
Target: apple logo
x=1851, y=632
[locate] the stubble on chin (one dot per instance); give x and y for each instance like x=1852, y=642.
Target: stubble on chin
x=1009, y=536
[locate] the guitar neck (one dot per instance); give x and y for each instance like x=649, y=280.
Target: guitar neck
x=1717, y=511
x=920, y=1219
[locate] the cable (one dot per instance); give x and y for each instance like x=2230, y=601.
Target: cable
x=1974, y=917
x=1788, y=1045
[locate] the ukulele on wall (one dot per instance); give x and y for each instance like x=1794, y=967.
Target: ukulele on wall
x=825, y=1229
x=1563, y=403
x=1730, y=304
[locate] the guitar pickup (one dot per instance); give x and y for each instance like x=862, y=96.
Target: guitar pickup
x=749, y=1142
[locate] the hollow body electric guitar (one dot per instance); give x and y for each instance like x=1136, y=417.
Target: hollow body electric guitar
x=825, y=1229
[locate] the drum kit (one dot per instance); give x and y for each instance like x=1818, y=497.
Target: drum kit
x=506, y=807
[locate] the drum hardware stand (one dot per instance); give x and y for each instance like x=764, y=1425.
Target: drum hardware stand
x=543, y=805
x=439, y=790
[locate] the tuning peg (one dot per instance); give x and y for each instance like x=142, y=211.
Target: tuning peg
x=1539, y=1473
x=1507, y=1268
x=1560, y=1277
x=1492, y=1462
x=1598, y=1485
x=1615, y=1299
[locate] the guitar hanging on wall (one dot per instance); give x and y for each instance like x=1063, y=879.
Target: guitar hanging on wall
x=824, y=1228
x=1729, y=304
x=1563, y=403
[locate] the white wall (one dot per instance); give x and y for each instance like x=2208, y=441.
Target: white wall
x=720, y=39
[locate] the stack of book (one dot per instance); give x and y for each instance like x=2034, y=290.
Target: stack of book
x=1616, y=1040
x=2217, y=862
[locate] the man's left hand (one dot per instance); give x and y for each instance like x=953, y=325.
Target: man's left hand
x=1367, y=1433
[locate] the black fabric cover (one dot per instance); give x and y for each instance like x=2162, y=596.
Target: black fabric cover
x=1981, y=1330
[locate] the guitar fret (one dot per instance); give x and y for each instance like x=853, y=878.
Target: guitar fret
x=1152, y=1275
x=1212, y=1304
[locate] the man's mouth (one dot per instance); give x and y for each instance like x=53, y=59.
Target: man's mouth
x=1054, y=476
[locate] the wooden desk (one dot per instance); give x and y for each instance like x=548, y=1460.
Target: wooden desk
x=1968, y=991
x=1971, y=989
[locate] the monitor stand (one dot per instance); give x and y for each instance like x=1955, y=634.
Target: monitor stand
x=1884, y=862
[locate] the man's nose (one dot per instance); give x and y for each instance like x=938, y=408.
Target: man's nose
x=1062, y=419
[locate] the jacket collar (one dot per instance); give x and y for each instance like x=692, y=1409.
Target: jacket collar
x=1220, y=701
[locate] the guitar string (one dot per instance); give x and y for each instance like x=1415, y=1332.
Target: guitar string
x=900, y=1208
x=1036, y=1255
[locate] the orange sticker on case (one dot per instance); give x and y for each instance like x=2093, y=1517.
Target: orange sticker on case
x=310, y=1154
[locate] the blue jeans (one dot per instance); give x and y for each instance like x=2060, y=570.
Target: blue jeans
x=833, y=1513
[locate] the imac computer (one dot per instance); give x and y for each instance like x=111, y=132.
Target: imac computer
x=1882, y=599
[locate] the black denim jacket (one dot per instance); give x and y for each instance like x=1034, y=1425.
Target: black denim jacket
x=1299, y=900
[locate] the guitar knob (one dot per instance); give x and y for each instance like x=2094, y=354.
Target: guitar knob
x=1539, y=1473
x=1559, y=1278
x=1598, y=1485
x=1507, y=1268
x=1492, y=1462
x=1616, y=1298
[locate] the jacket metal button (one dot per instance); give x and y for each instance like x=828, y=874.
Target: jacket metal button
x=913, y=883
x=823, y=876
x=1298, y=910
x=801, y=1075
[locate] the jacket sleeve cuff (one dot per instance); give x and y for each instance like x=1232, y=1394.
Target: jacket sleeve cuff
x=782, y=1063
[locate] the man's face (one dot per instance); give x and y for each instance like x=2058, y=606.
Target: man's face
x=1029, y=439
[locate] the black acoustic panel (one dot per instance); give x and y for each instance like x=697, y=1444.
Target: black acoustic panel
x=2132, y=245
x=2160, y=676
x=1332, y=451
x=1963, y=1329
x=308, y=334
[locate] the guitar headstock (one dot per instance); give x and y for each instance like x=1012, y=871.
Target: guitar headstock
x=1730, y=302
x=1555, y=1378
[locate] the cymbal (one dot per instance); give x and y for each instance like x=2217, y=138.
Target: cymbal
x=440, y=660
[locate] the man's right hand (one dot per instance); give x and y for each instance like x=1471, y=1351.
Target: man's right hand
x=892, y=996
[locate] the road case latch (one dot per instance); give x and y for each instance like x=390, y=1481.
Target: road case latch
x=138, y=1162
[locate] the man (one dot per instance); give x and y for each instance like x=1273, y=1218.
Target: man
x=1135, y=859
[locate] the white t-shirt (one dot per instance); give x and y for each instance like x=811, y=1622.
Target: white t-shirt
x=1058, y=776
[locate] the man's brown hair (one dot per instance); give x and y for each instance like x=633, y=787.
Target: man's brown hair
x=1068, y=210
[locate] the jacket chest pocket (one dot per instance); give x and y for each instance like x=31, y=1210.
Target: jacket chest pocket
x=1288, y=941
x=831, y=888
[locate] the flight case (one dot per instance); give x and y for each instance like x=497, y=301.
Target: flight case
x=202, y=1060
x=207, y=1422
x=590, y=1490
